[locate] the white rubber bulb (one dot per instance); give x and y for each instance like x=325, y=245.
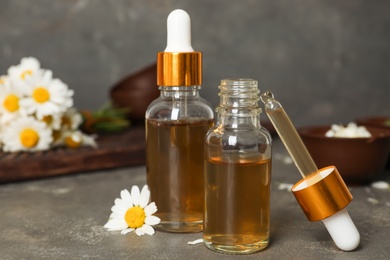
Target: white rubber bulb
x=342, y=230
x=178, y=32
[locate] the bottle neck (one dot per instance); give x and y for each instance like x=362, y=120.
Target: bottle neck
x=239, y=100
x=239, y=93
x=234, y=120
x=179, y=92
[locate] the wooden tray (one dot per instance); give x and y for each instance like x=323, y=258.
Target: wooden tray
x=117, y=150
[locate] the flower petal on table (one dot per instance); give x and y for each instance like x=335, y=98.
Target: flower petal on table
x=116, y=224
x=139, y=232
x=147, y=229
x=126, y=231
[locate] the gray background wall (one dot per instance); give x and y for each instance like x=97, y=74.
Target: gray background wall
x=327, y=61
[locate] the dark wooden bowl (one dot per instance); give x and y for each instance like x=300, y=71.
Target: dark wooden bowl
x=357, y=159
x=375, y=121
x=136, y=92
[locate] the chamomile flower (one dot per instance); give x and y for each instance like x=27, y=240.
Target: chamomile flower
x=26, y=134
x=27, y=67
x=75, y=139
x=132, y=212
x=10, y=96
x=71, y=119
x=53, y=121
x=46, y=96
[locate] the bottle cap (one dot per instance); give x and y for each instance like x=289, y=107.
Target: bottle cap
x=322, y=193
x=179, y=64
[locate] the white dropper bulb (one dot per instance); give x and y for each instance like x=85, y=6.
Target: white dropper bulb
x=179, y=32
x=342, y=230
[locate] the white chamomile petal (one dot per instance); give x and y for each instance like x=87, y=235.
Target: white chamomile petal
x=119, y=209
x=120, y=203
x=47, y=76
x=126, y=197
x=139, y=232
x=88, y=140
x=145, y=195
x=150, y=209
x=135, y=195
x=126, y=231
x=116, y=215
x=147, y=229
x=116, y=224
x=152, y=220
x=3, y=79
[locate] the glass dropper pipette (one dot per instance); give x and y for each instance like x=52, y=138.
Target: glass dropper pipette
x=288, y=135
x=322, y=194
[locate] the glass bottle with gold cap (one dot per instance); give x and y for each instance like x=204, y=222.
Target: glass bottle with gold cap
x=176, y=125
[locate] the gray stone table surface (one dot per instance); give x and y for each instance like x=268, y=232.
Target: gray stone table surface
x=63, y=218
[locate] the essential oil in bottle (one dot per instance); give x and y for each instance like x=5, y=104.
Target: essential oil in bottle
x=238, y=173
x=176, y=125
x=175, y=172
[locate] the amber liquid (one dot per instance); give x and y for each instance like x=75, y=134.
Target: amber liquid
x=237, y=209
x=175, y=172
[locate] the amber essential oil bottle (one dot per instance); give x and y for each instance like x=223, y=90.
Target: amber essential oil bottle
x=238, y=173
x=176, y=125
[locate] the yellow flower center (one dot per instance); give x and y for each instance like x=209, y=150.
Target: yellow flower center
x=2, y=81
x=41, y=95
x=25, y=73
x=11, y=103
x=29, y=137
x=71, y=142
x=135, y=217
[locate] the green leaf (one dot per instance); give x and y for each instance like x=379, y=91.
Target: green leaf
x=108, y=119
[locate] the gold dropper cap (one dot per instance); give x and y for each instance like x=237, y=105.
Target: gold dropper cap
x=179, y=68
x=179, y=64
x=322, y=194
